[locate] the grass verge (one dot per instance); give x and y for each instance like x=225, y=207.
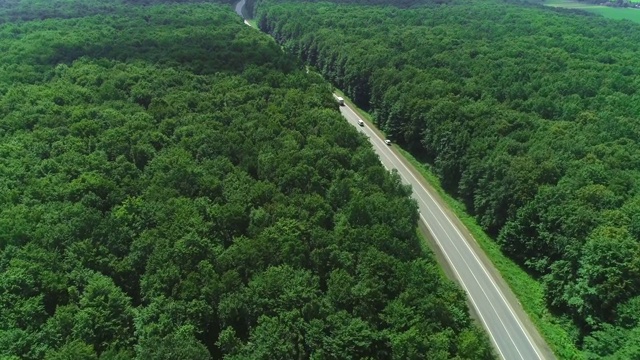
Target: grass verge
x=528, y=290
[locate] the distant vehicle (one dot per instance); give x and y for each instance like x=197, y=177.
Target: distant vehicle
x=388, y=142
x=360, y=122
x=341, y=101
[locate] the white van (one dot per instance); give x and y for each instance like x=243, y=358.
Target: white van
x=360, y=122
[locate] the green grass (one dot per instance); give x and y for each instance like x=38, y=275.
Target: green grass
x=570, y=4
x=528, y=290
x=617, y=13
x=605, y=11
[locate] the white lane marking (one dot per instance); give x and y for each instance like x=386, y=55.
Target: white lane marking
x=461, y=280
x=464, y=241
x=520, y=325
x=380, y=149
x=473, y=301
x=479, y=285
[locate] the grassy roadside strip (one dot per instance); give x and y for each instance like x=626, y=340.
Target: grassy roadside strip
x=529, y=292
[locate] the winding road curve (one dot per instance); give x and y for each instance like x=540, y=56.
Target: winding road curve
x=510, y=330
x=240, y=10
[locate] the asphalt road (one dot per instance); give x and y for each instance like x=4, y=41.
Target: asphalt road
x=240, y=9
x=506, y=330
x=509, y=335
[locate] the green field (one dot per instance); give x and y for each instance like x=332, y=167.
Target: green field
x=608, y=12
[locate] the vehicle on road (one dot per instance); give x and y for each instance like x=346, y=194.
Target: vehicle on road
x=340, y=101
x=504, y=325
x=360, y=122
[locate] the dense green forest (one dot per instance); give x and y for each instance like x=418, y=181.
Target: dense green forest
x=174, y=186
x=528, y=115
x=26, y=10
x=250, y=5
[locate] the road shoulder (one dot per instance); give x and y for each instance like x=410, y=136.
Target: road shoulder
x=486, y=262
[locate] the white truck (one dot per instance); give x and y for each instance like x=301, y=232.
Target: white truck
x=340, y=101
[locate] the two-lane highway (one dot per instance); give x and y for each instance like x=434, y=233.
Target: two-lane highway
x=510, y=337
x=512, y=340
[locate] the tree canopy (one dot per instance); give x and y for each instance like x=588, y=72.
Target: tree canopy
x=174, y=186
x=528, y=115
